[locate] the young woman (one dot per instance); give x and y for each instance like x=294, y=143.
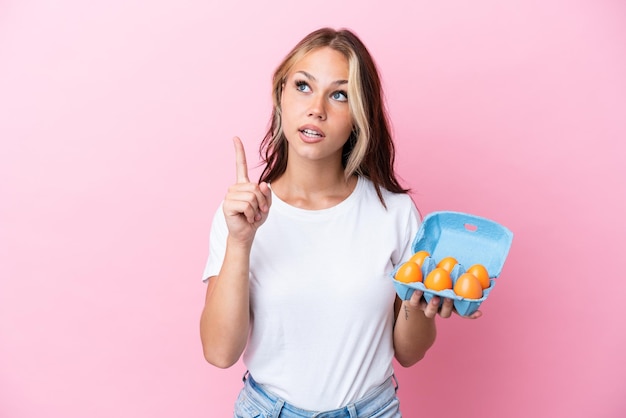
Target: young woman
x=299, y=263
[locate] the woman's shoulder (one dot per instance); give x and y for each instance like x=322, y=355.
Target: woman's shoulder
x=392, y=200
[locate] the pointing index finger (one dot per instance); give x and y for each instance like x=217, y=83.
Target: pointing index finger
x=240, y=158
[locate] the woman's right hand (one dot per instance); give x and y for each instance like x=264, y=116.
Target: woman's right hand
x=246, y=204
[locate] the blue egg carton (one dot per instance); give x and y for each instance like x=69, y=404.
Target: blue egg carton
x=470, y=239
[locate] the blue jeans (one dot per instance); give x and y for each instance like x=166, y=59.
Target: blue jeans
x=254, y=401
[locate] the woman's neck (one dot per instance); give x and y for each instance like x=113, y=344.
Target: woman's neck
x=313, y=187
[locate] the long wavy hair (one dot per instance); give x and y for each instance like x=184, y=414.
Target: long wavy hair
x=369, y=151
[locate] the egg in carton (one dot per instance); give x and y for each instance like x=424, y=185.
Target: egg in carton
x=470, y=239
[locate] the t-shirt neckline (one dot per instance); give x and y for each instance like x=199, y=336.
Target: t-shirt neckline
x=282, y=206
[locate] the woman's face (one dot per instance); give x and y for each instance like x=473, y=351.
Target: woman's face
x=316, y=117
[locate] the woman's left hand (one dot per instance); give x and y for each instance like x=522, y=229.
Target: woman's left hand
x=434, y=307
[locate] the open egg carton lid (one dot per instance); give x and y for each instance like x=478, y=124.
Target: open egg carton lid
x=469, y=238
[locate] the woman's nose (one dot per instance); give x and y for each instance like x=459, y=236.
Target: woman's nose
x=317, y=108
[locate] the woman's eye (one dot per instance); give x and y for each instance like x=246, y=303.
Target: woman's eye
x=302, y=86
x=342, y=96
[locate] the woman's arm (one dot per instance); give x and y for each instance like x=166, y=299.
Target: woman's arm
x=414, y=330
x=225, y=320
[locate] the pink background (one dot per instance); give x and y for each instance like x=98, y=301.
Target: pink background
x=116, y=119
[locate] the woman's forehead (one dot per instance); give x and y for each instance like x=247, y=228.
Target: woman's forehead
x=323, y=62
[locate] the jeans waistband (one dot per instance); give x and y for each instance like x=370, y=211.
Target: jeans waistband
x=348, y=411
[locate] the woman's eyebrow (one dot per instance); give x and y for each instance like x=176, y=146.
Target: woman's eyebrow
x=312, y=78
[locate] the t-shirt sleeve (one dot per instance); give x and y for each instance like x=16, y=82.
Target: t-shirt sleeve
x=413, y=220
x=217, y=245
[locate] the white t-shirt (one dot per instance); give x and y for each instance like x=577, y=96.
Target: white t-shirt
x=321, y=295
